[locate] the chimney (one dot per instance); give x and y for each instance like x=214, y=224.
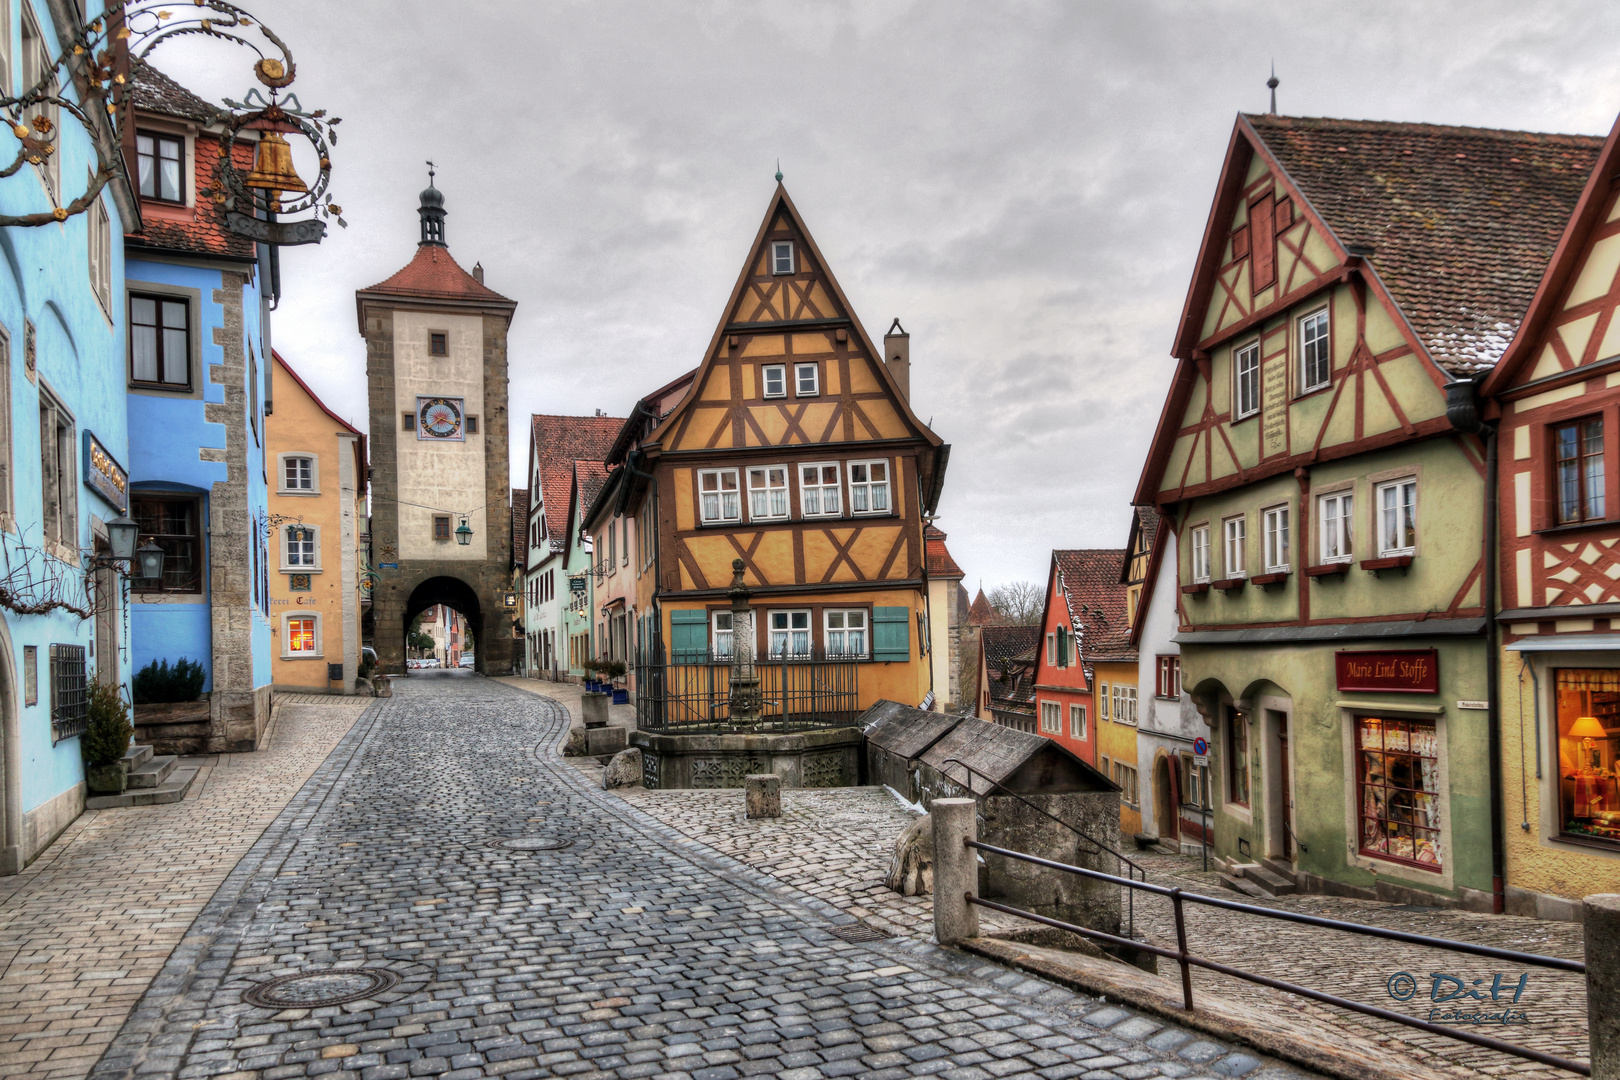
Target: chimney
x=478, y=273
x=897, y=357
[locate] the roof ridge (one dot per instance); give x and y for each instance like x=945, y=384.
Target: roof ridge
x=1349, y=124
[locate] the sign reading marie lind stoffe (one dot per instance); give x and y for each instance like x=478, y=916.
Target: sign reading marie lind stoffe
x=104, y=475
x=1406, y=671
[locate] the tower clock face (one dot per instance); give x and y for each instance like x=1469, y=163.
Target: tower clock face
x=438, y=418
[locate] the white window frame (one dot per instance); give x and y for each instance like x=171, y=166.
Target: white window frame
x=1242, y=356
x=723, y=641
x=59, y=476
x=99, y=234
x=1199, y=548
x=822, y=490
x=1335, y=514
x=283, y=540
x=799, y=372
x=766, y=371
x=287, y=652
x=789, y=630
x=845, y=614
x=1276, y=538
x=1103, y=711
x=314, y=460
x=1051, y=650
x=1406, y=515
x=1077, y=721
x=870, y=487
x=1235, y=543
x=1051, y=718
x=1315, y=346
x=768, y=490
x=782, y=257
x=720, y=493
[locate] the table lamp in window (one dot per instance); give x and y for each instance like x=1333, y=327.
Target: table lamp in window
x=1589, y=729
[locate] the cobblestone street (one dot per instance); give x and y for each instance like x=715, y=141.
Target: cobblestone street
x=631, y=952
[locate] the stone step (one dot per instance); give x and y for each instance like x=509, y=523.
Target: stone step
x=1237, y=884
x=136, y=756
x=1282, y=869
x=1272, y=883
x=171, y=791
x=153, y=772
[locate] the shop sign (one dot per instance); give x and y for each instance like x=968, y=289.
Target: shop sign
x=103, y=474
x=1412, y=671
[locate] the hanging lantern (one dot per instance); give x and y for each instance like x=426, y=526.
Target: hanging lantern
x=463, y=533
x=149, y=560
x=273, y=170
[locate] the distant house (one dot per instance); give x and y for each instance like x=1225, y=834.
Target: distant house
x=947, y=623
x=1007, y=675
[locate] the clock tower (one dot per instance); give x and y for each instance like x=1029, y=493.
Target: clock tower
x=441, y=529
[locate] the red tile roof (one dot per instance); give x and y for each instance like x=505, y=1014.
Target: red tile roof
x=1462, y=220
x=155, y=92
x=520, y=527
x=589, y=477
x=981, y=613
x=202, y=230
x=433, y=274
x=1010, y=651
x=1096, y=602
x=559, y=442
x=938, y=557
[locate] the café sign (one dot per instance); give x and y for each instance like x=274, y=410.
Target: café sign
x=1409, y=671
x=104, y=475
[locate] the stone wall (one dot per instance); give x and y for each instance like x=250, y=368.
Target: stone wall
x=1084, y=901
x=811, y=759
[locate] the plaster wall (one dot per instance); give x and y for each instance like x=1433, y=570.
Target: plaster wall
x=1164, y=725
x=443, y=476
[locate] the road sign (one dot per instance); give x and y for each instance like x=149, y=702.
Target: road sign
x=1201, y=747
x=1201, y=760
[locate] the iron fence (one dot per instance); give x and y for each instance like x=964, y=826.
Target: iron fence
x=693, y=693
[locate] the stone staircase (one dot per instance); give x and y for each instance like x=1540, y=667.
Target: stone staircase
x=153, y=779
x=1265, y=879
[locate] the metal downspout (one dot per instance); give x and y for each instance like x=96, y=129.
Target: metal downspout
x=1493, y=681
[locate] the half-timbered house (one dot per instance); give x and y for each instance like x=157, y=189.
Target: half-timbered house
x=1558, y=393
x=1329, y=519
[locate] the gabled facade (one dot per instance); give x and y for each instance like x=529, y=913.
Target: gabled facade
x=1328, y=518
x=795, y=450
x=578, y=608
x=1558, y=529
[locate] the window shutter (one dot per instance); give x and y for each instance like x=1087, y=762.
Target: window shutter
x=891, y=633
x=1264, y=227
x=689, y=636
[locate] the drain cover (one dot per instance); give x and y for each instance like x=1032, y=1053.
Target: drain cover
x=858, y=932
x=530, y=843
x=309, y=989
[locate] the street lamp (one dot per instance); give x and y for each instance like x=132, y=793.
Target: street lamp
x=122, y=534
x=463, y=533
x=149, y=557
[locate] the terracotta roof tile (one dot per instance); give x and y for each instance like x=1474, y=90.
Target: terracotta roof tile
x=1004, y=644
x=1462, y=221
x=938, y=556
x=980, y=613
x=155, y=92
x=520, y=527
x=1009, y=661
x=204, y=232
x=1096, y=602
x=433, y=274
x=559, y=442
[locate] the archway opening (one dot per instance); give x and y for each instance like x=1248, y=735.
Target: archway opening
x=444, y=627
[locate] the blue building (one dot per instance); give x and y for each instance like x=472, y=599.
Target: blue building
x=63, y=450
x=197, y=298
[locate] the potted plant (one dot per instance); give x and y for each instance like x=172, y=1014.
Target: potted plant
x=590, y=674
x=615, y=670
x=106, y=741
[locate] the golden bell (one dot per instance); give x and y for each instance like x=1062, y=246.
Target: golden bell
x=273, y=167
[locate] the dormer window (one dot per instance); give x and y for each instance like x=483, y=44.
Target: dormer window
x=160, y=159
x=782, y=257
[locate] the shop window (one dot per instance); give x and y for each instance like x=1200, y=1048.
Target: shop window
x=1237, y=758
x=1398, y=777
x=1588, y=747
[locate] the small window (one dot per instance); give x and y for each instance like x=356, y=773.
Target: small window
x=160, y=161
x=101, y=254
x=407, y=421
x=782, y=257
x=303, y=636
x=767, y=492
x=59, y=472
x=1578, y=448
x=724, y=638
x=1338, y=526
x=70, y=693
x=1051, y=650
x=846, y=633
x=297, y=473
x=441, y=527
x=790, y=633
x=720, y=501
x=1233, y=533
x=1125, y=777
x=1167, y=682
x=806, y=380
x=775, y=376
x=819, y=493
x=438, y=343
x=1246, y=377
x=1200, y=554
x=173, y=524
x=472, y=425
x=1077, y=721
x=1277, y=540
x=301, y=549
x=1397, y=518
x=1102, y=702
x=159, y=342
x=869, y=487
x=1315, y=352
x=1051, y=718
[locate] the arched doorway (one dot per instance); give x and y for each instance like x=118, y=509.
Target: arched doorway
x=451, y=593
x=1167, y=798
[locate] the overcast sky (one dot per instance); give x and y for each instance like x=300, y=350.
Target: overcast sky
x=1023, y=184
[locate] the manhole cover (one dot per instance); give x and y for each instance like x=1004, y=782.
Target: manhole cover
x=530, y=843
x=858, y=932
x=308, y=989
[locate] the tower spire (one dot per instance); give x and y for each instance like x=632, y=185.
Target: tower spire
x=431, y=212
x=1273, y=82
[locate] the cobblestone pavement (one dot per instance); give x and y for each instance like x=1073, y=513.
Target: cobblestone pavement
x=634, y=952
x=85, y=928
x=835, y=844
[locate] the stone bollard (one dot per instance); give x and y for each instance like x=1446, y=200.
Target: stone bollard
x=763, y=795
x=1602, y=931
x=956, y=869
x=596, y=710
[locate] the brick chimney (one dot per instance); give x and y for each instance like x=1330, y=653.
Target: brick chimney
x=897, y=357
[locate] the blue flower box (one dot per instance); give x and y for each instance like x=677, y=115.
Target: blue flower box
x=621, y=697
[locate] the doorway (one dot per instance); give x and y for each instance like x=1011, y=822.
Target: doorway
x=1279, y=788
x=1167, y=798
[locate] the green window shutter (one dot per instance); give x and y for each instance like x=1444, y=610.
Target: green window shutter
x=689, y=634
x=891, y=633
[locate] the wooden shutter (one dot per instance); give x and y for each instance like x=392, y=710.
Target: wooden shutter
x=1240, y=243
x=1263, y=224
x=891, y=633
x=689, y=636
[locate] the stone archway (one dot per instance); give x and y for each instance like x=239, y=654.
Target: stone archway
x=454, y=593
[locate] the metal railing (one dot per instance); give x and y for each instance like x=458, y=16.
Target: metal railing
x=692, y=694
x=1132, y=869
x=1188, y=961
